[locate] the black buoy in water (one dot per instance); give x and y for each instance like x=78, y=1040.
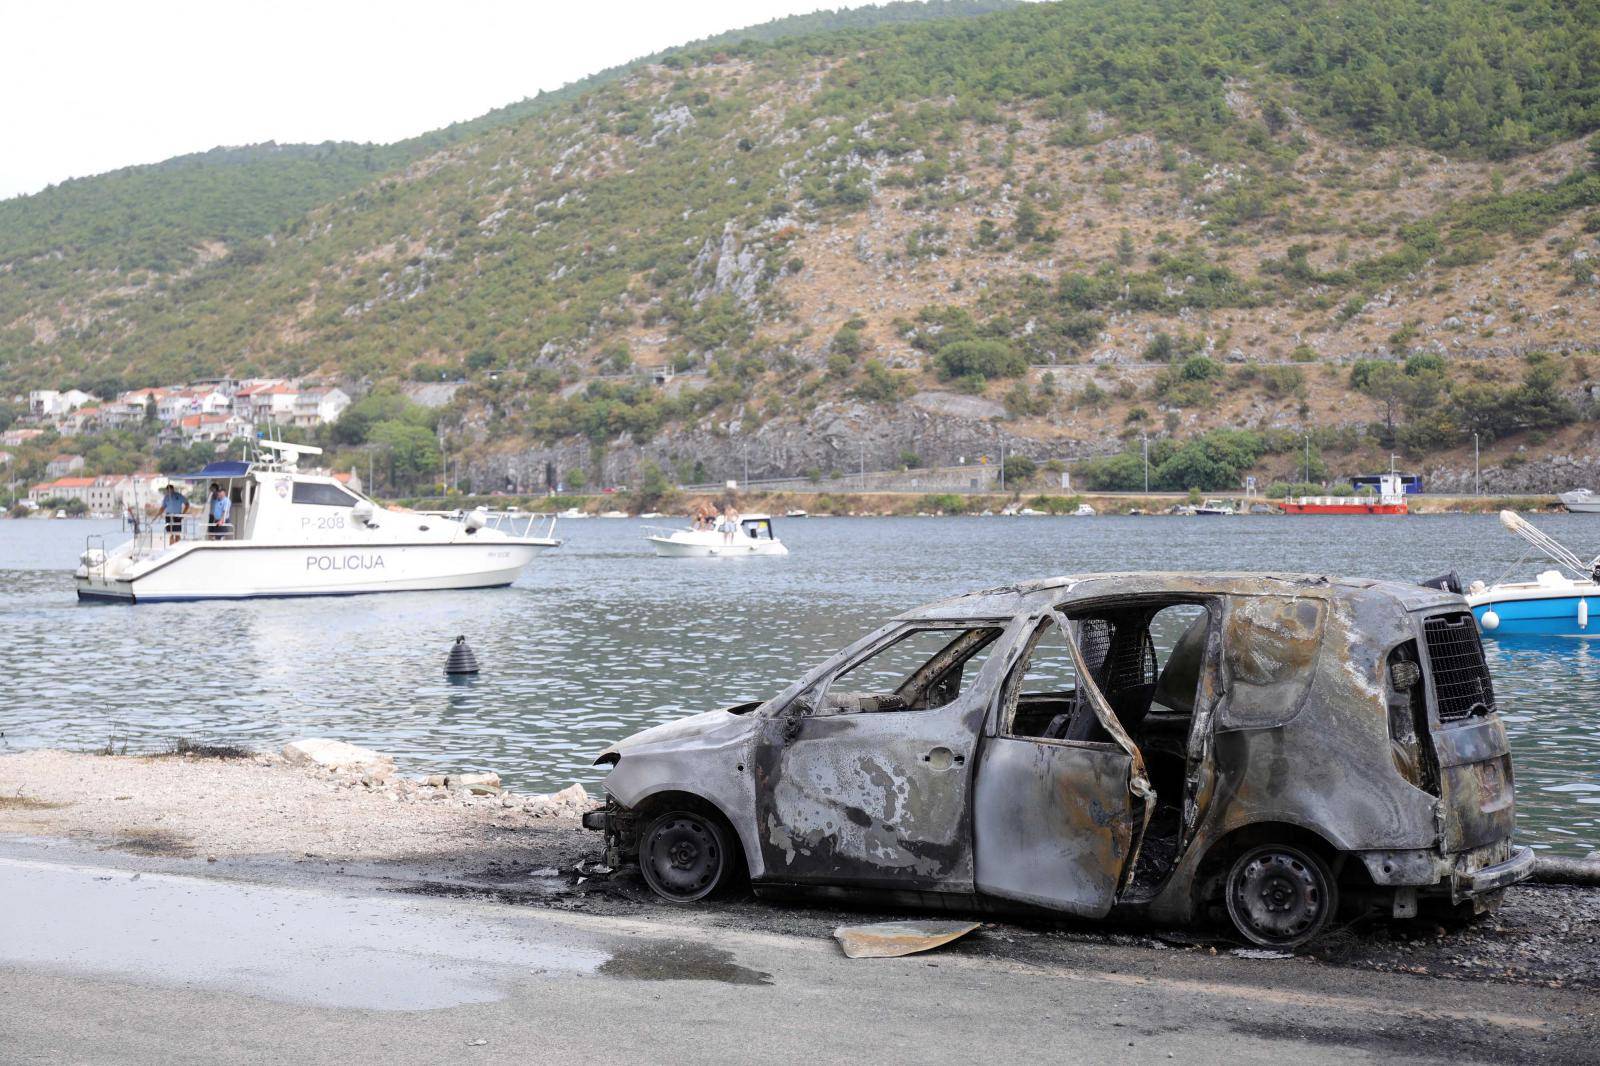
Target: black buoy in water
x=461, y=660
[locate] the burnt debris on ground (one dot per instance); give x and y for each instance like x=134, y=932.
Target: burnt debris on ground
x=1543, y=934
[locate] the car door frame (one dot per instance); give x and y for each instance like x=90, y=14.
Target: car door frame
x=1057, y=823
x=826, y=820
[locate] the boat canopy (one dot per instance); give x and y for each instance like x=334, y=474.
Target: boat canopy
x=218, y=471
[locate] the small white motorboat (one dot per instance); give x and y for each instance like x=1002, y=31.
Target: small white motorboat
x=1214, y=507
x=795, y=513
x=294, y=534
x=1085, y=511
x=1552, y=604
x=753, y=536
x=1581, y=501
x=614, y=514
x=572, y=513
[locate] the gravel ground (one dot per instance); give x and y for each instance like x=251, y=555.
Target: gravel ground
x=260, y=814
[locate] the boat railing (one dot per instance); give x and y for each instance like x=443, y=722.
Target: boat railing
x=152, y=537
x=507, y=522
x=94, y=555
x=1347, y=501
x=519, y=524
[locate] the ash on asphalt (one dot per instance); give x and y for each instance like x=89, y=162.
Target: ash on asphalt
x=1543, y=934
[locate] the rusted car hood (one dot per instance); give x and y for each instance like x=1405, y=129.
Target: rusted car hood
x=711, y=727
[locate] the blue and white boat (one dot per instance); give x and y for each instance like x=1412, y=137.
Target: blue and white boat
x=1553, y=604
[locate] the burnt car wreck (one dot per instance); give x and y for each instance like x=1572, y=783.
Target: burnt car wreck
x=1165, y=746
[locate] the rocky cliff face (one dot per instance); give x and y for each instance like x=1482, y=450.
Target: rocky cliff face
x=1528, y=470
x=835, y=438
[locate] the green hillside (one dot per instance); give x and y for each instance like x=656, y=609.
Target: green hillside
x=859, y=207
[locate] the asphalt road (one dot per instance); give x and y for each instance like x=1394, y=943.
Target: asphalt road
x=105, y=960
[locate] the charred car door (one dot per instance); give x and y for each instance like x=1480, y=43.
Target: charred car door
x=1061, y=797
x=864, y=778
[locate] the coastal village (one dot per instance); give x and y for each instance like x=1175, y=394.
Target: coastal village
x=216, y=411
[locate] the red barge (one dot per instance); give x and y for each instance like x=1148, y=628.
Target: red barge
x=1390, y=499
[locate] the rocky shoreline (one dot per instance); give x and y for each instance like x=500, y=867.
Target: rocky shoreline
x=350, y=767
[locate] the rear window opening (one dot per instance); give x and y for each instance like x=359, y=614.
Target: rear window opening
x=1461, y=685
x=1407, y=700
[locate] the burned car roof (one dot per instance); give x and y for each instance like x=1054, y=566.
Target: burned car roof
x=1007, y=600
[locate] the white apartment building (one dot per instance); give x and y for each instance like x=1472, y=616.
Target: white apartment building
x=317, y=406
x=62, y=465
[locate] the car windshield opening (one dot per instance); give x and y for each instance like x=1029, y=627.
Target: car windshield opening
x=919, y=670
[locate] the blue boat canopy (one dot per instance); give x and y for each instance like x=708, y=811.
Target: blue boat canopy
x=216, y=472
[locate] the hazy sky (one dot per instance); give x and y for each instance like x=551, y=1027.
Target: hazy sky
x=89, y=86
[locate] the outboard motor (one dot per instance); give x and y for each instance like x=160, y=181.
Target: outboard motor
x=1450, y=582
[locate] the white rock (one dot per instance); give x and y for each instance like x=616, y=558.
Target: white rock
x=572, y=796
x=333, y=754
x=480, y=784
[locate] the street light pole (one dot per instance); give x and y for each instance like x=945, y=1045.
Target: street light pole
x=1477, y=486
x=746, y=481
x=1308, y=459
x=1144, y=439
x=1002, y=465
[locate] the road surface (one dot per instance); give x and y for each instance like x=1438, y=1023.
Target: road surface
x=113, y=959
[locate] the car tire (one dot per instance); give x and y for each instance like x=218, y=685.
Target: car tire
x=686, y=855
x=1281, y=895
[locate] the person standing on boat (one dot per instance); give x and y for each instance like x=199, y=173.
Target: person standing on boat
x=220, y=509
x=730, y=524
x=174, y=505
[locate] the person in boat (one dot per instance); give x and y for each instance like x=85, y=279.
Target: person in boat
x=218, y=512
x=730, y=524
x=174, y=505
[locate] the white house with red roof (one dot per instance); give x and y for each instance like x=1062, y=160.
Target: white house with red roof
x=273, y=403
x=64, y=488
x=213, y=427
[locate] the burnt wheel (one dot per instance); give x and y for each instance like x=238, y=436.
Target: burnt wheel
x=684, y=856
x=1281, y=896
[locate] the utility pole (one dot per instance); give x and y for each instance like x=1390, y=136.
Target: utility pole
x=444, y=466
x=863, y=466
x=1477, y=487
x=1144, y=439
x=1308, y=459
x=746, y=481
x=1002, y=464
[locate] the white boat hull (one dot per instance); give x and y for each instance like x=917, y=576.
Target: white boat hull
x=1581, y=502
x=738, y=548
x=219, y=570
